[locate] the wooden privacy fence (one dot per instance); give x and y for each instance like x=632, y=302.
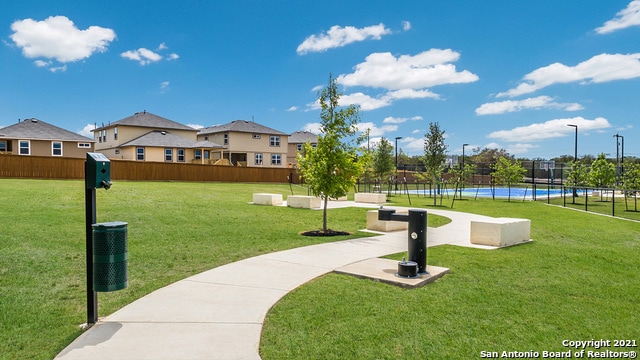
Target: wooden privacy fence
x=37, y=167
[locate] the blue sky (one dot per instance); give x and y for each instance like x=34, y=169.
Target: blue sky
x=505, y=74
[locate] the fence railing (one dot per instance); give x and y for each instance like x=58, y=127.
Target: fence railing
x=36, y=167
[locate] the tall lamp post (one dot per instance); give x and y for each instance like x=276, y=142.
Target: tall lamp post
x=619, y=163
x=575, y=160
x=397, y=138
x=463, y=172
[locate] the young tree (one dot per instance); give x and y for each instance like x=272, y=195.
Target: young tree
x=435, y=154
x=602, y=172
x=507, y=172
x=382, y=160
x=631, y=182
x=577, y=176
x=332, y=167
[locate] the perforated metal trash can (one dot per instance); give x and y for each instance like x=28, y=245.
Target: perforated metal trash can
x=110, y=256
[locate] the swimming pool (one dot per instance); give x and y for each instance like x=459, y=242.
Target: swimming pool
x=499, y=192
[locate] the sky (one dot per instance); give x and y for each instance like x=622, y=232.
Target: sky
x=493, y=74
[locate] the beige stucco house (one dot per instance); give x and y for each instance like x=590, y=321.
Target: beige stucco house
x=296, y=141
x=33, y=137
x=248, y=143
x=144, y=136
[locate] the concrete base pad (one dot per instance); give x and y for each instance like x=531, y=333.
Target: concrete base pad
x=384, y=270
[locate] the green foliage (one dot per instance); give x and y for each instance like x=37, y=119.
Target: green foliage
x=435, y=153
x=507, y=172
x=631, y=177
x=333, y=166
x=602, y=172
x=460, y=176
x=578, y=174
x=382, y=160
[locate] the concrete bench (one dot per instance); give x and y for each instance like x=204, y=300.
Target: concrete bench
x=304, y=202
x=374, y=224
x=371, y=198
x=267, y=199
x=341, y=198
x=500, y=231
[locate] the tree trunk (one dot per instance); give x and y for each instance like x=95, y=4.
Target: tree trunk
x=324, y=214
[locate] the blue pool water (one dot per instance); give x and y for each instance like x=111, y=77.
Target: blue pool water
x=500, y=192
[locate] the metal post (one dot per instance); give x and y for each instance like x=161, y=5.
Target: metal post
x=575, y=160
x=397, y=138
x=90, y=219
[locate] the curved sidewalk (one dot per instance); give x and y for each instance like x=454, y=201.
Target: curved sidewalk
x=218, y=314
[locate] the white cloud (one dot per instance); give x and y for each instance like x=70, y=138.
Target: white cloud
x=196, y=126
x=293, y=108
x=550, y=129
x=628, y=17
x=540, y=102
x=162, y=46
x=58, y=38
x=173, y=56
x=394, y=120
x=56, y=69
x=367, y=102
x=374, y=130
x=312, y=127
x=412, y=145
x=406, y=26
x=339, y=36
x=429, y=68
x=598, y=69
x=86, y=131
x=42, y=63
x=142, y=55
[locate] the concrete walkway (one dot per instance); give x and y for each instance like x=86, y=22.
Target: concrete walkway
x=218, y=314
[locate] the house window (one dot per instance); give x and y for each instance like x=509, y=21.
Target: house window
x=225, y=139
x=276, y=159
x=140, y=153
x=117, y=151
x=3, y=146
x=168, y=155
x=115, y=133
x=25, y=147
x=299, y=147
x=84, y=145
x=180, y=155
x=274, y=140
x=256, y=136
x=56, y=148
x=197, y=154
x=258, y=159
x=206, y=138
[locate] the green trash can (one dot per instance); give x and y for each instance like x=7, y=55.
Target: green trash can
x=110, y=256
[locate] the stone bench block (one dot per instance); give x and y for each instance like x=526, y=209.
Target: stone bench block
x=500, y=231
x=371, y=198
x=304, y=202
x=267, y=199
x=376, y=225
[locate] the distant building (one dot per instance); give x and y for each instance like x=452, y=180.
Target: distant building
x=296, y=141
x=144, y=136
x=248, y=143
x=33, y=137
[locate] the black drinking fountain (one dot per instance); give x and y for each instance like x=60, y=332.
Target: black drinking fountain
x=417, y=240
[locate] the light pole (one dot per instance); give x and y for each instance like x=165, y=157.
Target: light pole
x=619, y=164
x=397, y=138
x=463, y=170
x=575, y=160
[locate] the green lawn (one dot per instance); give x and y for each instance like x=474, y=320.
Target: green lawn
x=175, y=230
x=578, y=280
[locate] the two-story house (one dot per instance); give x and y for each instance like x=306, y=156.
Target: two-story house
x=296, y=141
x=144, y=136
x=37, y=138
x=248, y=143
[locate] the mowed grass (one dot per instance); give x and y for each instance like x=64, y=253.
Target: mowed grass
x=578, y=280
x=175, y=230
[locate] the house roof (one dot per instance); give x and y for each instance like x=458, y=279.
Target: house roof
x=159, y=138
x=34, y=129
x=301, y=137
x=147, y=119
x=240, y=126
